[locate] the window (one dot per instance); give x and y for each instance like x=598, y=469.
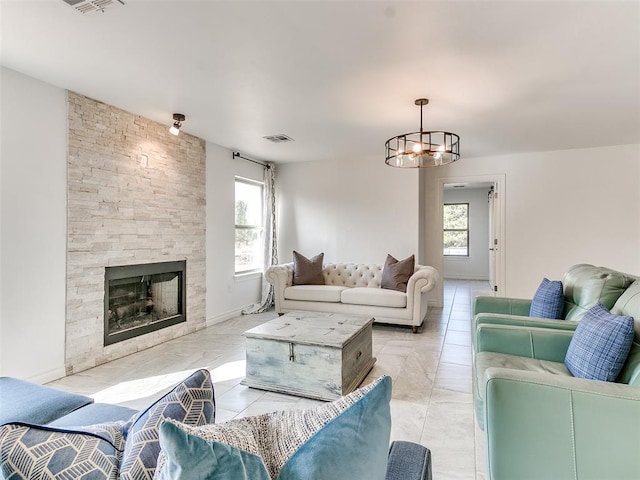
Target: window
x=249, y=249
x=456, y=229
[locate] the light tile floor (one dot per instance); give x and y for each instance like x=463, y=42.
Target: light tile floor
x=432, y=400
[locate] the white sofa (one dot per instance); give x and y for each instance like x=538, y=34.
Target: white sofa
x=355, y=289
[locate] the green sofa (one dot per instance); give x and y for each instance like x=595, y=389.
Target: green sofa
x=540, y=422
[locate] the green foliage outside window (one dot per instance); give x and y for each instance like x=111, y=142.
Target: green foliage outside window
x=248, y=226
x=456, y=229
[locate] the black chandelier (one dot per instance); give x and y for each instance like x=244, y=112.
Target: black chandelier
x=422, y=149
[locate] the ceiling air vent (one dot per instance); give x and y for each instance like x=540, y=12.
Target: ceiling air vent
x=280, y=138
x=88, y=6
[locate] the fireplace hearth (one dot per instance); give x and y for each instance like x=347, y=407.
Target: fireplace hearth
x=143, y=298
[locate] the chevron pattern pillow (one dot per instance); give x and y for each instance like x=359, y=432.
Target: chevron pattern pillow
x=191, y=402
x=42, y=453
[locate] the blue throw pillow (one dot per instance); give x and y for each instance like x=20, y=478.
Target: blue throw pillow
x=600, y=345
x=191, y=402
x=347, y=438
x=40, y=452
x=548, y=301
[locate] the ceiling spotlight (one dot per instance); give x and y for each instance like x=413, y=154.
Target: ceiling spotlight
x=178, y=118
x=423, y=148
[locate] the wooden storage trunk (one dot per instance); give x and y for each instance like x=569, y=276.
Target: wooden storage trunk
x=310, y=354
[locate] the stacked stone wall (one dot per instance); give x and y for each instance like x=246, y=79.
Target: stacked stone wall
x=136, y=194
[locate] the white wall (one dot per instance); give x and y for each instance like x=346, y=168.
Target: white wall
x=33, y=229
x=562, y=208
x=476, y=265
x=227, y=294
x=353, y=211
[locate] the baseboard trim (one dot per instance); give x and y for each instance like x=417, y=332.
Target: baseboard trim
x=467, y=277
x=221, y=317
x=48, y=376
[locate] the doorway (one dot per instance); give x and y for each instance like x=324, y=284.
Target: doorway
x=482, y=256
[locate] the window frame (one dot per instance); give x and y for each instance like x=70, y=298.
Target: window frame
x=260, y=228
x=444, y=230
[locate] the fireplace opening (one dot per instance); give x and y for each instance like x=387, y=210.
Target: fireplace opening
x=143, y=298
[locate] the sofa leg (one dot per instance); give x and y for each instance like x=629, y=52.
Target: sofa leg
x=414, y=329
x=280, y=314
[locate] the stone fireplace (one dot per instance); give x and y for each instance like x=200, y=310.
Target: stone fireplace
x=139, y=299
x=136, y=196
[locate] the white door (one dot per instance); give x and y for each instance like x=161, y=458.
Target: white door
x=493, y=238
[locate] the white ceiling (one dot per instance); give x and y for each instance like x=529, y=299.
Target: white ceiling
x=341, y=77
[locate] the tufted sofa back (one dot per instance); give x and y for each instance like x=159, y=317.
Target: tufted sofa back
x=629, y=304
x=585, y=285
x=352, y=275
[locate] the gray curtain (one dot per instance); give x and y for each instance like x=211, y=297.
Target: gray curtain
x=270, y=242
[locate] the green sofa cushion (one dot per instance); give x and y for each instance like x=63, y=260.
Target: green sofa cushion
x=585, y=286
x=629, y=304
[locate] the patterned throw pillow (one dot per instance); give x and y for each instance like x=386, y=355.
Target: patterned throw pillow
x=347, y=438
x=190, y=402
x=396, y=273
x=548, y=301
x=307, y=271
x=38, y=452
x=600, y=345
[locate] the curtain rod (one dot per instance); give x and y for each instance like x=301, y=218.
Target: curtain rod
x=237, y=154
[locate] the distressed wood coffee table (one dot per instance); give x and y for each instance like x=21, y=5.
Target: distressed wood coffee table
x=310, y=354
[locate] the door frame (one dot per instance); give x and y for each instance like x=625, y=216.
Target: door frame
x=499, y=181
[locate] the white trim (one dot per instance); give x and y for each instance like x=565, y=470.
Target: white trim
x=467, y=277
x=48, y=376
x=245, y=277
x=499, y=180
x=221, y=317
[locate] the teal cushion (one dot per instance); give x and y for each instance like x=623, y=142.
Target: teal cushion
x=548, y=301
x=354, y=445
x=347, y=438
x=191, y=401
x=191, y=456
x=37, y=452
x=600, y=345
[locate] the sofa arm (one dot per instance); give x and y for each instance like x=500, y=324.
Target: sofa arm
x=522, y=321
x=540, y=343
x=408, y=461
x=423, y=280
x=281, y=277
x=549, y=426
x=509, y=306
x=518, y=321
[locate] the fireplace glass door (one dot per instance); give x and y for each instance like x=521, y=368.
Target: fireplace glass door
x=142, y=298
